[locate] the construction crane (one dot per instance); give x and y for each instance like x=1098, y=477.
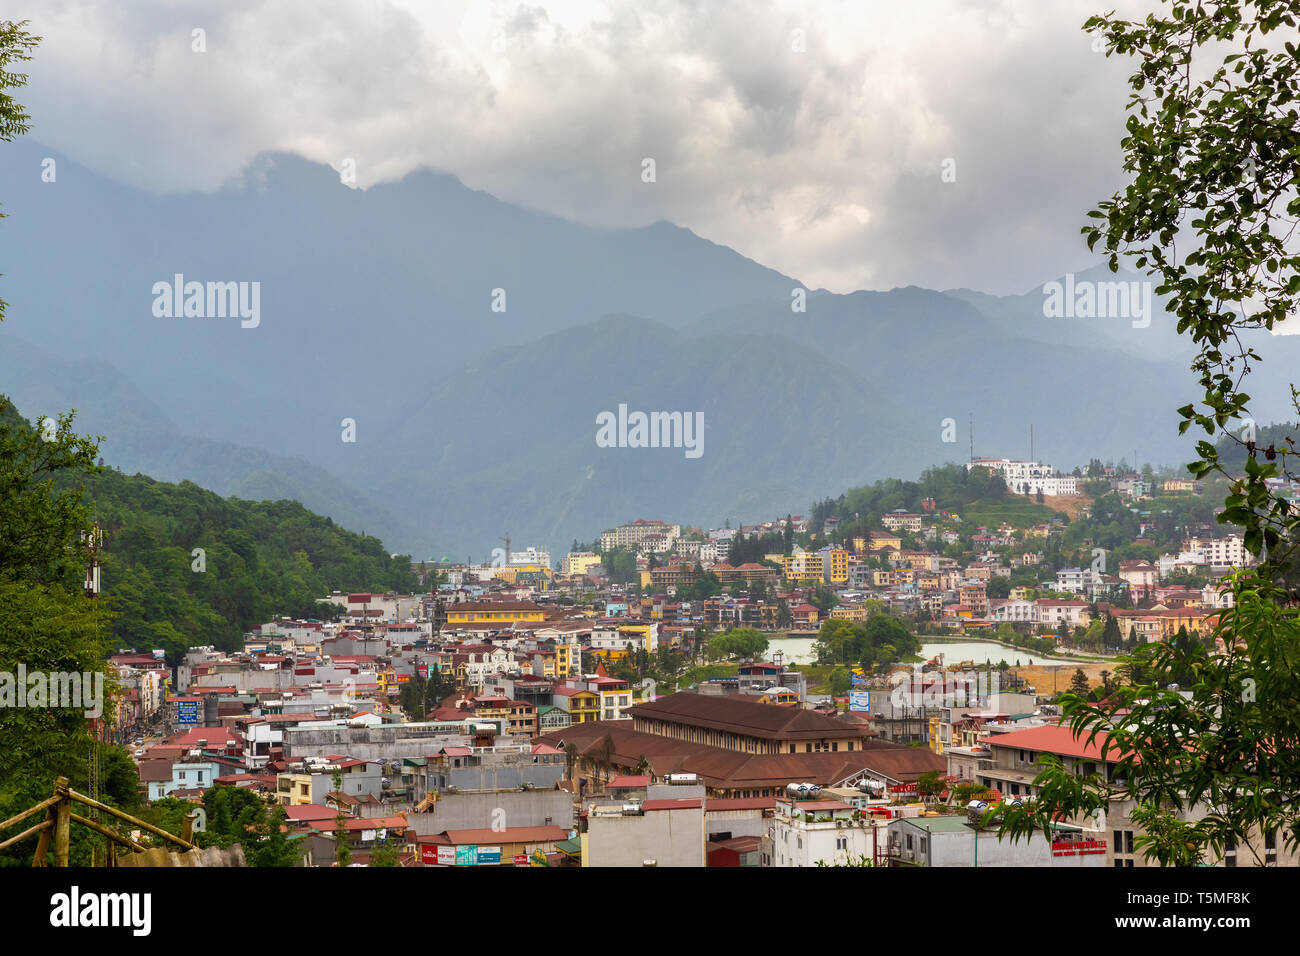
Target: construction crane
x=506, y=539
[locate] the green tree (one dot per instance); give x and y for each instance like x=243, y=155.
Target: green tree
x=930, y=784
x=385, y=855
x=745, y=642
x=1211, y=149
x=342, y=849
x=839, y=681
x=275, y=849
x=16, y=46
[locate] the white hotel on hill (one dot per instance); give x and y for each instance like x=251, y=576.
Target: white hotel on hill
x=1029, y=477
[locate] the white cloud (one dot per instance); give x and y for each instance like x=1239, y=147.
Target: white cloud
x=825, y=163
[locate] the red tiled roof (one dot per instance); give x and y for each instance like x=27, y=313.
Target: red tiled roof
x=681, y=803
x=1054, y=739
x=624, y=782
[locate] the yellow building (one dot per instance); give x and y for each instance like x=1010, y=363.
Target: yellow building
x=835, y=566
x=293, y=789
x=568, y=659
x=637, y=634
x=842, y=613
x=880, y=540
x=671, y=575
x=579, y=562
x=544, y=665
x=503, y=613
x=512, y=573
x=583, y=705
x=803, y=567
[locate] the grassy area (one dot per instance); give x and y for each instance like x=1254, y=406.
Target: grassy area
x=817, y=675
x=1014, y=510
x=705, y=672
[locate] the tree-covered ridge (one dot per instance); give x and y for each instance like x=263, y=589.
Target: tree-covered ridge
x=953, y=487
x=255, y=559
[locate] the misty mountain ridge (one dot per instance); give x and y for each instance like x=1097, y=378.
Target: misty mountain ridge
x=377, y=307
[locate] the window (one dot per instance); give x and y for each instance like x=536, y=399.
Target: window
x=841, y=843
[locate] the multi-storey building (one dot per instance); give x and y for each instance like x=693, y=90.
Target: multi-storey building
x=902, y=521
x=579, y=562
x=531, y=556
x=633, y=535
x=804, y=566
x=1228, y=551
x=835, y=565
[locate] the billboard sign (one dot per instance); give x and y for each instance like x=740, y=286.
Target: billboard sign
x=467, y=855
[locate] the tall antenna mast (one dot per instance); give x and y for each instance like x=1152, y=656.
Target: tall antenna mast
x=1031, y=442
x=972, y=435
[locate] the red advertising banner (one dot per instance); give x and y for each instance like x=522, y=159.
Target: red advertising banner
x=1079, y=848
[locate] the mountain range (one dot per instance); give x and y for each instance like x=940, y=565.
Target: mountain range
x=377, y=322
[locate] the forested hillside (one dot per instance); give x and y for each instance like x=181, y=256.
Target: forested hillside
x=253, y=559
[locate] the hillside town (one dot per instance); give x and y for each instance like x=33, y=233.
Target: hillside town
x=646, y=701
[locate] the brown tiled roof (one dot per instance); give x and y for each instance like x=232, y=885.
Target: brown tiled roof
x=734, y=715
x=734, y=770
x=155, y=771
x=744, y=844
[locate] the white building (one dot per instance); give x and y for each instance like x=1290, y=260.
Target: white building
x=715, y=551
x=1028, y=477
x=634, y=535
x=1227, y=552
x=1073, y=613
x=951, y=841
x=805, y=832
x=531, y=556
x=1015, y=610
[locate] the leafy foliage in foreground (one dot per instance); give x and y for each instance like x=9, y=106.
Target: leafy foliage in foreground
x=1207, y=760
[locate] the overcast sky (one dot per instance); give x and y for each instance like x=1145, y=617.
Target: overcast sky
x=820, y=153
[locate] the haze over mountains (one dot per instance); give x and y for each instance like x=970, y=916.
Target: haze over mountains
x=377, y=306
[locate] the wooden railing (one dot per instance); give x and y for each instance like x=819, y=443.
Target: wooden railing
x=56, y=828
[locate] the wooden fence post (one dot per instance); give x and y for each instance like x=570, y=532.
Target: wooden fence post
x=43, y=842
x=62, y=824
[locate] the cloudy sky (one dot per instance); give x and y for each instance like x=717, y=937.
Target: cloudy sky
x=812, y=137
